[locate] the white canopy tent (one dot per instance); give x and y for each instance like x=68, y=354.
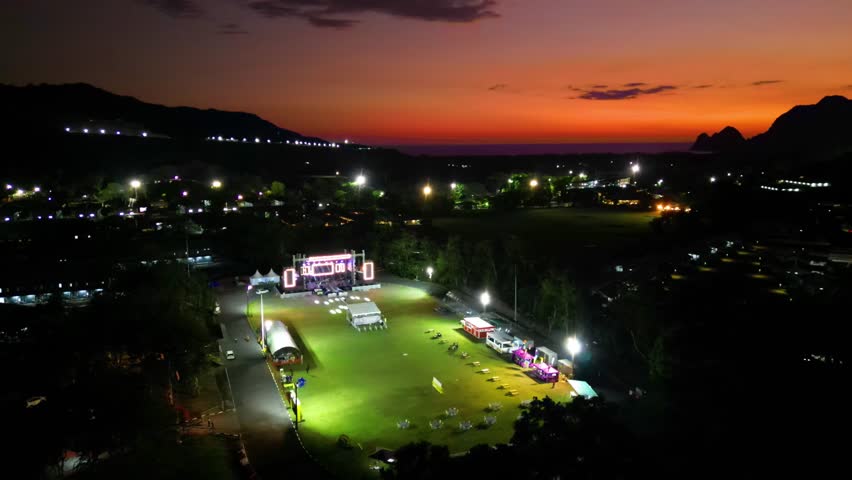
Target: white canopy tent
x=366, y=313
x=256, y=279
x=271, y=276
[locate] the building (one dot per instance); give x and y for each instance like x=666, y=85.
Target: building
x=477, y=327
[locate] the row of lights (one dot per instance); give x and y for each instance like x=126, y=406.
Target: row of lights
x=806, y=184
x=101, y=131
x=295, y=142
x=776, y=189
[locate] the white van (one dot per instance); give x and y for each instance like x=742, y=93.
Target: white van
x=500, y=341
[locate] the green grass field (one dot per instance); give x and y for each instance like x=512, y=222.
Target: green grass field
x=361, y=383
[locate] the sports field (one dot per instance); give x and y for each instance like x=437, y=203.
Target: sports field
x=362, y=383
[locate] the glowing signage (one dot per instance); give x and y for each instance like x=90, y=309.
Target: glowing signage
x=289, y=278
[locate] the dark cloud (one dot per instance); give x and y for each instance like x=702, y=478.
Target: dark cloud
x=703, y=86
x=231, y=29
x=339, y=23
x=337, y=13
x=176, y=8
x=624, y=94
x=634, y=84
x=765, y=82
x=499, y=86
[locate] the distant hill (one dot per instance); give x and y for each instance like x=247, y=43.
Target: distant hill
x=35, y=108
x=826, y=126
x=728, y=139
x=823, y=130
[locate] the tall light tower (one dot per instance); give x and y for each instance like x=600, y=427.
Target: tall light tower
x=135, y=184
x=485, y=299
x=260, y=292
x=574, y=347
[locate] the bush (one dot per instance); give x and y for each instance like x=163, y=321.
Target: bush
x=465, y=425
x=490, y=420
x=436, y=424
x=403, y=424
x=452, y=412
x=495, y=406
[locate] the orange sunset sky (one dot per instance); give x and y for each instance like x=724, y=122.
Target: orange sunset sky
x=449, y=71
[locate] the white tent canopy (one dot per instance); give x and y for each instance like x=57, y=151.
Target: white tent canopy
x=271, y=276
x=280, y=342
x=366, y=313
x=582, y=389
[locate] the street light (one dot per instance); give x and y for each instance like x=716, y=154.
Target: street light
x=262, y=321
x=248, y=289
x=533, y=183
x=635, y=169
x=484, y=299
x=135, y=184
x=453, y=186
x=216, y=184
x=427, y=190
x=574, y=348
x=430, y=271
x=360, y=180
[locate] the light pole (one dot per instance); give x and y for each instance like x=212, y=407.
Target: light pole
x=574, y=347
x=260, y=292
x=248, y=289
x=360, y=181
x=135, y=184
x=485, y=299
x=430, y=271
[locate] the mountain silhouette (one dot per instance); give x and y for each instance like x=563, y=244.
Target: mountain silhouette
x=826, y=127
x=823, y=130
x=729, y=139
x=35, y=108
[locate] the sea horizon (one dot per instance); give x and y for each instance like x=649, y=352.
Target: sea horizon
x=542, y=148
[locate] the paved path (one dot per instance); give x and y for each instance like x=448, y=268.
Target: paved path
x=271, y=443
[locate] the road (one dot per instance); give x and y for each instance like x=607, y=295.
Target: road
x=272, y=445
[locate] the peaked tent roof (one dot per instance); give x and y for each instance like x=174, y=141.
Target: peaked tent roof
x=256, y=274
x=271, y=274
